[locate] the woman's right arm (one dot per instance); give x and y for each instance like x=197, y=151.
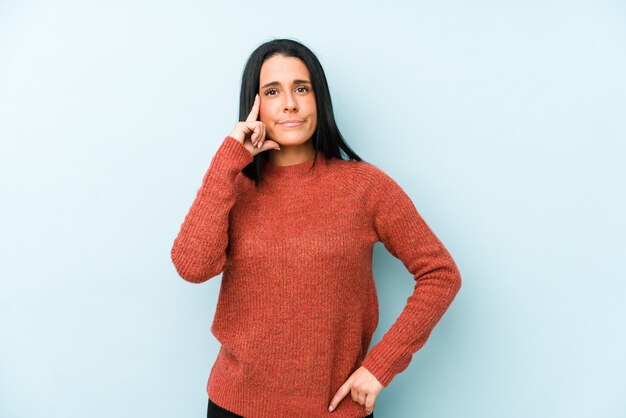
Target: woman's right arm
x=199, y=250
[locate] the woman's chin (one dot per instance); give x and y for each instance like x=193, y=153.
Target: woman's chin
x=288, y=140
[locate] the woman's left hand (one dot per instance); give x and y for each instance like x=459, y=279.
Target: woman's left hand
x=364, y=388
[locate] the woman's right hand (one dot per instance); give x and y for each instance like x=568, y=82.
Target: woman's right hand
x=251, y=132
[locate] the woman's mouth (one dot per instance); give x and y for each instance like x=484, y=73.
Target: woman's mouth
x=291, y=123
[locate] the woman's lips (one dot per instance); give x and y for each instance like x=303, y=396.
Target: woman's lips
x=291, y=124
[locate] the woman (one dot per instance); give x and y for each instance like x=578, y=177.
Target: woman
x=292, y=227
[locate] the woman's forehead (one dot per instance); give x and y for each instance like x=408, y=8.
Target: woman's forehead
x=283, y=69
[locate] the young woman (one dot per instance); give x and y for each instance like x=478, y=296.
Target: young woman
x=291, y=226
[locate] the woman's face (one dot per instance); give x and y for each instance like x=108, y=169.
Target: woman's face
x=287, y=95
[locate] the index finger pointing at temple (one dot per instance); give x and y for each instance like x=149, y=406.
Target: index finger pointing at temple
x=254, y=112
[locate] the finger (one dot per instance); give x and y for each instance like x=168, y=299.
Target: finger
x=254, y=112
x=370, y=401
x=255, y=143
x=268, y=145
x=361, y=397
x=357, y=396
x=254, y=130
x=341, y=393
x=262, y=136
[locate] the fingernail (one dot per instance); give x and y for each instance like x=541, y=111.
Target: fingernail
x=330, y=408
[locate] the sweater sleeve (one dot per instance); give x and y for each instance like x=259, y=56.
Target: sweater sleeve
x=406, y=236
x=199, y=249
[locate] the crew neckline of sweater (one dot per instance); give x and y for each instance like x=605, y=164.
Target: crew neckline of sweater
x=295, y=173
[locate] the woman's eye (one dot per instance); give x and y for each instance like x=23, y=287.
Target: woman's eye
x=270, y=91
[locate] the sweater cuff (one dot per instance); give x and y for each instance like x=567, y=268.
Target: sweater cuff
x=385, y=362
x=229, y=160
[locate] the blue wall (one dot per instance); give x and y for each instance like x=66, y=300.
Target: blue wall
x=504, y=122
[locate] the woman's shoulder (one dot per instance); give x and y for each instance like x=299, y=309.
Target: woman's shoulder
x=361, y=170
x=374, y=183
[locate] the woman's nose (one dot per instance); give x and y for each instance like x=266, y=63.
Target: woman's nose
x=290, y=103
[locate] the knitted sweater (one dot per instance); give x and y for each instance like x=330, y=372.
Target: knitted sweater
x=297, y=306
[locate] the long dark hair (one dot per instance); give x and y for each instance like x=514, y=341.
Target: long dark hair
x=326, y=138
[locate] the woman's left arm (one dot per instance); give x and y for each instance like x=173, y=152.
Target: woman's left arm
x=405, y=234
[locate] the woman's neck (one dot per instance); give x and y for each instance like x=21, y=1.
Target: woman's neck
x=292, y=154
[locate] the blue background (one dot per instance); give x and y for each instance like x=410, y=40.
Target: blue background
x=504, y=122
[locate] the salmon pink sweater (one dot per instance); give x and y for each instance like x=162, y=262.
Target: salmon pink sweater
x=297, y=306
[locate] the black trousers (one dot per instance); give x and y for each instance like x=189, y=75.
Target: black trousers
x=216, y=411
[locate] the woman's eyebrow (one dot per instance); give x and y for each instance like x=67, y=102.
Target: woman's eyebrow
x=276, y=83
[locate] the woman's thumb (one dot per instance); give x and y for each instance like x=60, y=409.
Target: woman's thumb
x=268, y=145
